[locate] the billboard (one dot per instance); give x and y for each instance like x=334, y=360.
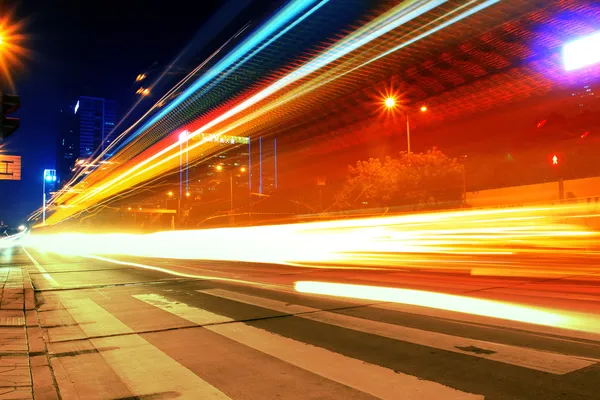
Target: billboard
x=10, y=168
x=225, y=139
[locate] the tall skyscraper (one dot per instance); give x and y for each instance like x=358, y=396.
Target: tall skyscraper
x=97, y=120
x=67, y=143
x=85, y=127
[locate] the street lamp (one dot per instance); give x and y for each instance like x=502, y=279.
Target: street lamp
x=391, y=103
x=220, y=168
x=463, y=158
x=49, y=176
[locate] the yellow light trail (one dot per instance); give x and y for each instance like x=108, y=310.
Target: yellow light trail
x=448, y=302
x=432, y=239
x=340, y=58
x=536, y=241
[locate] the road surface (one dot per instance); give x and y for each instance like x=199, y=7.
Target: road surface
x=115, y=329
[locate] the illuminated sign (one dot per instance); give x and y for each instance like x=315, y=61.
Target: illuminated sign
x=10, y=168
x=582, y=52
x=50, y=175
x=76, y=107
x=226, y=139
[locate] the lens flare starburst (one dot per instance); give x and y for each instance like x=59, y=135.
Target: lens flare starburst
x=12, y=50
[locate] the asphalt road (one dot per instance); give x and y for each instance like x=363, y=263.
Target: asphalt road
x=125, y=328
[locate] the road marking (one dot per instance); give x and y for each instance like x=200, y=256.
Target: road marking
x=202, y=317
x=145, y=369
x=538, y=360
x=369, y=378
x=464, y=318
x=45, y=273
x=180, y=274
x=93, y=319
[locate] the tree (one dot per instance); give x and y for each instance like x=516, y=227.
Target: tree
x=423, y=178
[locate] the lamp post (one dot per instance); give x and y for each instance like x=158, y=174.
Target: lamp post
x=390, y=103
x=49, y=176
x=242, y=169
x=463, y=158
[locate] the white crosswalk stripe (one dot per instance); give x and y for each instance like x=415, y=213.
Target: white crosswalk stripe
x=142, y=367
x=523, y=357
x=368, y=378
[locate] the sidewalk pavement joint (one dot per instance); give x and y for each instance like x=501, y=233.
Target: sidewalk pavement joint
x=25, y=371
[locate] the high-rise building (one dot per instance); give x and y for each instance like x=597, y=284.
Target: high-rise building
x=67, y=145
x=97, y=120
x=85, y=128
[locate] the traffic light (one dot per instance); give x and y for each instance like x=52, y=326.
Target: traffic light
x=9, y=103
x=554, y=159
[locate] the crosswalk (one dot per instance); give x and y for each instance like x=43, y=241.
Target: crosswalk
x=528, y=358
x=380, y=382
x=237, y=358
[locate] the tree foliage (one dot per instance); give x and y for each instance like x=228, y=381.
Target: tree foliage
x=423, y=178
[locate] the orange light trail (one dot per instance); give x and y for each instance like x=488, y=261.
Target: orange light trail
x=456, y=239
x=539, y=242
x=268, y=105
x=440, y=301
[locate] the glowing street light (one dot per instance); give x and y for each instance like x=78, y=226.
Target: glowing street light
x=11, y=49
x=170, y=194
x=220, y=168
x=390, y=103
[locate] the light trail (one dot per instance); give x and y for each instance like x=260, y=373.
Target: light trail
x=456, y=239
x=538, y=242
x=162, y=158
x=291, y=11
x=389, y=21
x=448, y=302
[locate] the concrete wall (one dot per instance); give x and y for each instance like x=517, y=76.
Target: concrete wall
x=541, y=193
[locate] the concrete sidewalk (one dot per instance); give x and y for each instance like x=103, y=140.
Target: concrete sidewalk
x=24, y=370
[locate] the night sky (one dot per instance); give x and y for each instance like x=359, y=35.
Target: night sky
x=96, y=48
